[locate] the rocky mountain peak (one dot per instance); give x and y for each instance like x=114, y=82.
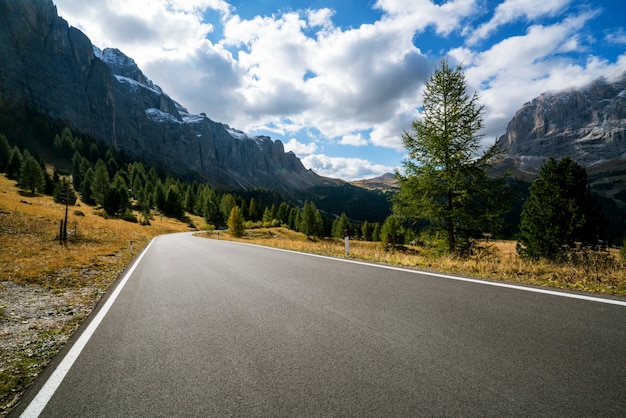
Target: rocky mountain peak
x=587, y=124
x=124, y=67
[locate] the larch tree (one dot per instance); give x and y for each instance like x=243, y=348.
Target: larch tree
x=445, y=180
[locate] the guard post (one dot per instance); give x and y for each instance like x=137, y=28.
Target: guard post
x=346, y=234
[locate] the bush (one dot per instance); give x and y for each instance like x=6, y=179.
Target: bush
x=129, y=216
x=623, y=251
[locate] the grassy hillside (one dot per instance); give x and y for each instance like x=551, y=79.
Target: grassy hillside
x=46, y=288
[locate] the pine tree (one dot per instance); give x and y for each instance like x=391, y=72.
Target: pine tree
x=64, y=192
x=340, y=225
x=559, y=212
x=445, y=177
x=31, y=175
x=100, y=183
x=311, y=222
x=235, y=223
x=86, y=194
x=366, y=231
x=15, y=163
x=173, y=202
x=5, y=153
x=391, y=233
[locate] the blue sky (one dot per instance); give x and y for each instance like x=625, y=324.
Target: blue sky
x=338, y=81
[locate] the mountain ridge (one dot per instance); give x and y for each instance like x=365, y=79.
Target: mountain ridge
x=587, y=124
x=53, y=68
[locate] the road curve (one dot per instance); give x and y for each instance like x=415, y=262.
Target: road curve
x=216, y=328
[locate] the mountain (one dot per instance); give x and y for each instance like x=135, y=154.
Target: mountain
x=586, y=124
x=385, y=183
x=53, y=69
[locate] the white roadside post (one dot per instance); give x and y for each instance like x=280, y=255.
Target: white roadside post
x=346, y=234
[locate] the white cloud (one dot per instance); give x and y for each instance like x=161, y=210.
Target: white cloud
x=511, y=10
x=345, y=168
x=299, y=148
x=617, y=37
x=354, y=140
x=419, y=14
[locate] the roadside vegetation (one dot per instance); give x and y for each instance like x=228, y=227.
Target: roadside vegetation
x=600, y=271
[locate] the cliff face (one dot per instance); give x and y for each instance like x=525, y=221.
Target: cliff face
x=54, y=69
x=588, y=125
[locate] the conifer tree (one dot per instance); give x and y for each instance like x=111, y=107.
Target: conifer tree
x=445, y=177
x=5, y=153
x=311, y=222
x=366, y=231
x=31, y=175
x=64, y=192
x=100, y=183
x=15, y=163
x=340, y=225
x=235, y=223
x=559, y=212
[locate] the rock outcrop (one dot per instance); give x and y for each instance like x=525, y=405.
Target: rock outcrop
x=587, y=124
x=52, y=68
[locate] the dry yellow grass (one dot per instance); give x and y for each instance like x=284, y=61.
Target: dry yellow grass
x=74, y=276
x=601, y=272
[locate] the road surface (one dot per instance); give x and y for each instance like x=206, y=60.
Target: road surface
x=214, y=328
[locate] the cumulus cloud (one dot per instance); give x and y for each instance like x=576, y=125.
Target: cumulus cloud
x=296, y=72
x=511, y=10
x=354, y=140
x=300, y=148
x=344, y=168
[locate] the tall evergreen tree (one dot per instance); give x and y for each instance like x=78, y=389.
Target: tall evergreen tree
x=227, y=202
x=340, y=225
x=173, y=202
x=311, y=222
x=64, y=192
x=366, y=231
x=445, y=177
x=15, y=163
x=559, y=212
x=85, y=189
x=31, y=176
x=5, y=152
x=100, y=182
x=392, y=233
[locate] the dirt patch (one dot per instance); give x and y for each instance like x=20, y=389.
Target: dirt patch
x=35, y=323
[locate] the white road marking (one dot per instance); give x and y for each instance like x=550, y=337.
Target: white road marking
x=44, y=395
x=459, y=278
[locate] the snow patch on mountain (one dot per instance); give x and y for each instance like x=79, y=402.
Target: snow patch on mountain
x=160, y=116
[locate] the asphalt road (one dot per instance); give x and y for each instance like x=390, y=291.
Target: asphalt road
x=215, y=328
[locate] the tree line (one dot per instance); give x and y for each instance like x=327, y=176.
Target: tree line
x=106, y=178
